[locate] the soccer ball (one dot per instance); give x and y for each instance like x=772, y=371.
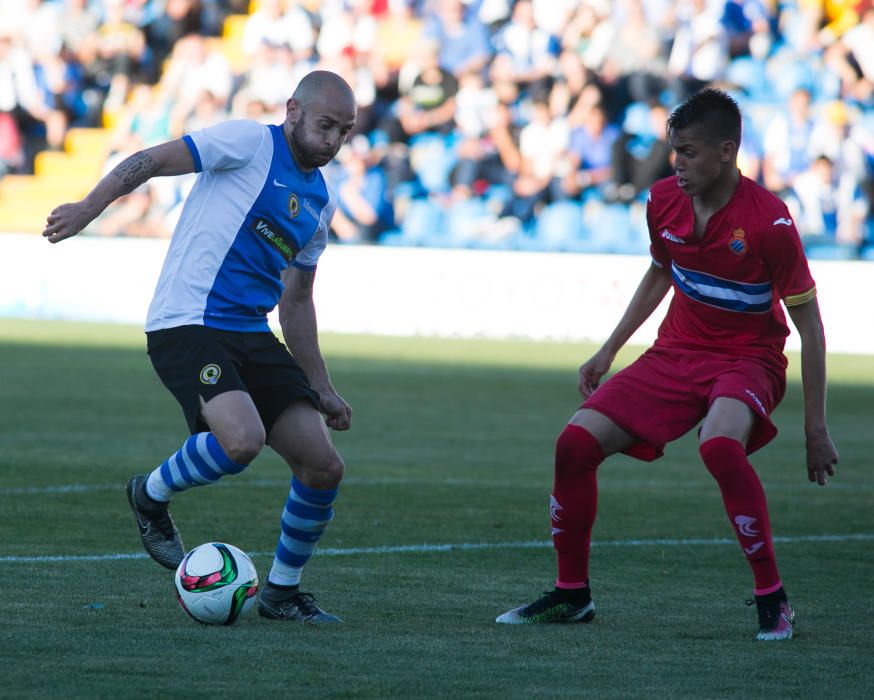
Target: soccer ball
x=216, y=583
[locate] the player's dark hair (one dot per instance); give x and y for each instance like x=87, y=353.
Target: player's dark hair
x=713, y=109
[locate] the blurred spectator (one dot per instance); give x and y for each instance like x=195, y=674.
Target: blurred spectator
x=463, y=42
x=179, y=18
x=626, y=46
x=526, y=53
x=79, y=23
x=11, y=145
x=553, y=15
x=543, y=142
x=349, y=28
x=40, y=26
x=641, y=154
x=745, y=22
x=264, y=89
x=590, y=150
x=144, y=120
x=851, y=57
x=699, y=53
x=829, y=203
x=192, y=70
x=115, y=54
x=397, y=35
x=837, y=136
x=571, y=106
x=478, y=164
x=428, y=105
x=273, y=24
x=787, y=143
x=21, y=101
x=61, y=83
x=363, y=208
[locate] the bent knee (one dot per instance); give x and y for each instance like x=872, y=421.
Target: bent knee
x=326, y=473
x=243, y=445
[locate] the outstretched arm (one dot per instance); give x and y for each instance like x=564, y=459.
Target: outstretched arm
x=821, y=452
x=652, y=289
x=171, y=158
x=297, y=317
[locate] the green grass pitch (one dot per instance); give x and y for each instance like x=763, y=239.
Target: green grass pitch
x=451, y=445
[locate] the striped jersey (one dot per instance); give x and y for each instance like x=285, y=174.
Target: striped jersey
x=250, y=214
x=728, y=285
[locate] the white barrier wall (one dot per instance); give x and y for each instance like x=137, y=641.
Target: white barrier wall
x=403, y=291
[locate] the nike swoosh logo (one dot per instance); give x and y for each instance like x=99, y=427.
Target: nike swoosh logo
x=752, y=549
x=277, y=183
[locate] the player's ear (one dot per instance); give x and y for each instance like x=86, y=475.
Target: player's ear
x=727, y=151
x=292, y=111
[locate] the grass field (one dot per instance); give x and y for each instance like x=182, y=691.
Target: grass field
x=451, y=445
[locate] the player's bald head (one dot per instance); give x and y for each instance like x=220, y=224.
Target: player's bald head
x=324, y=87
x=319, y=116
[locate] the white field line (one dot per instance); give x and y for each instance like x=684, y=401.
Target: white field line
x=457, y=547
x=393, y=481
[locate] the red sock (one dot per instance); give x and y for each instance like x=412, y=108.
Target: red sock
x=574, y=503
x=745, y=504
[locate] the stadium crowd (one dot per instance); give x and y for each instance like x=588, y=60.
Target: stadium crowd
x=526, y=124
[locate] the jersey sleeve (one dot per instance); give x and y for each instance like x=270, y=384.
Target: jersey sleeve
x=226, y=146
x=308, y=257
x=657, y=248
x=783, y=253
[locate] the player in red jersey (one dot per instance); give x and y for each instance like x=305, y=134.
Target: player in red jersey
x=731, y=253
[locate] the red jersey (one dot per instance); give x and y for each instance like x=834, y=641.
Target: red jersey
x=728, y=285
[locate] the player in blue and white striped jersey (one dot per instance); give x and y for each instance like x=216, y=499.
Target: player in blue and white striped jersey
x=249, y=238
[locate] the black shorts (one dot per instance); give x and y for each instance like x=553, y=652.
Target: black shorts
x=195, y=361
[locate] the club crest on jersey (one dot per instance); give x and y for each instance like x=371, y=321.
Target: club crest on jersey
x=210, y=374
x=738, y=244
x=293, y=205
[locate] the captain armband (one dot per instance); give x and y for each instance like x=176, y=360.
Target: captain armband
x=799, y=299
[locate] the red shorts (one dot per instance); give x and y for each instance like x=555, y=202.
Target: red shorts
x=667, y=392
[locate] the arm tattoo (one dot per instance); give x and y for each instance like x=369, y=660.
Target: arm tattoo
x=306, y=279
x=134, y=171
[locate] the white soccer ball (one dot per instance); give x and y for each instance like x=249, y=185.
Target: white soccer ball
x=216, y=583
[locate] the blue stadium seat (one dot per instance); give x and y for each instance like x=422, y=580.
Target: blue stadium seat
x=423, y=223
x=465, y=222
x=822, y=250
x=607, y=228
x=559, y=225
x=432, y=158
x=749, y=75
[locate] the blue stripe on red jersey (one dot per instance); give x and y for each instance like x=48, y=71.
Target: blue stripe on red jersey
x=725, y=294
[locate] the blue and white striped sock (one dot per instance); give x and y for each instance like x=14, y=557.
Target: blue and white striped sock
x=306, y=516
x=200, y=460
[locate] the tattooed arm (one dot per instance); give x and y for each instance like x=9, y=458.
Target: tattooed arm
x=171, y=158
x=297, y=317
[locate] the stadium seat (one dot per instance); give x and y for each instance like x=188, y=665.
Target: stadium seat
x=59, y=176
x=822, y=250
x=84, y=167
x=606, y=227
x=466, y=223
x=81, y=142
x=423, y=223
x=230, y=44
x=432, y=158
x=749, y=75
x=559, y=226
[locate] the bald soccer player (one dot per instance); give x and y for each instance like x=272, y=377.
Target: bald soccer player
x=249, y=238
